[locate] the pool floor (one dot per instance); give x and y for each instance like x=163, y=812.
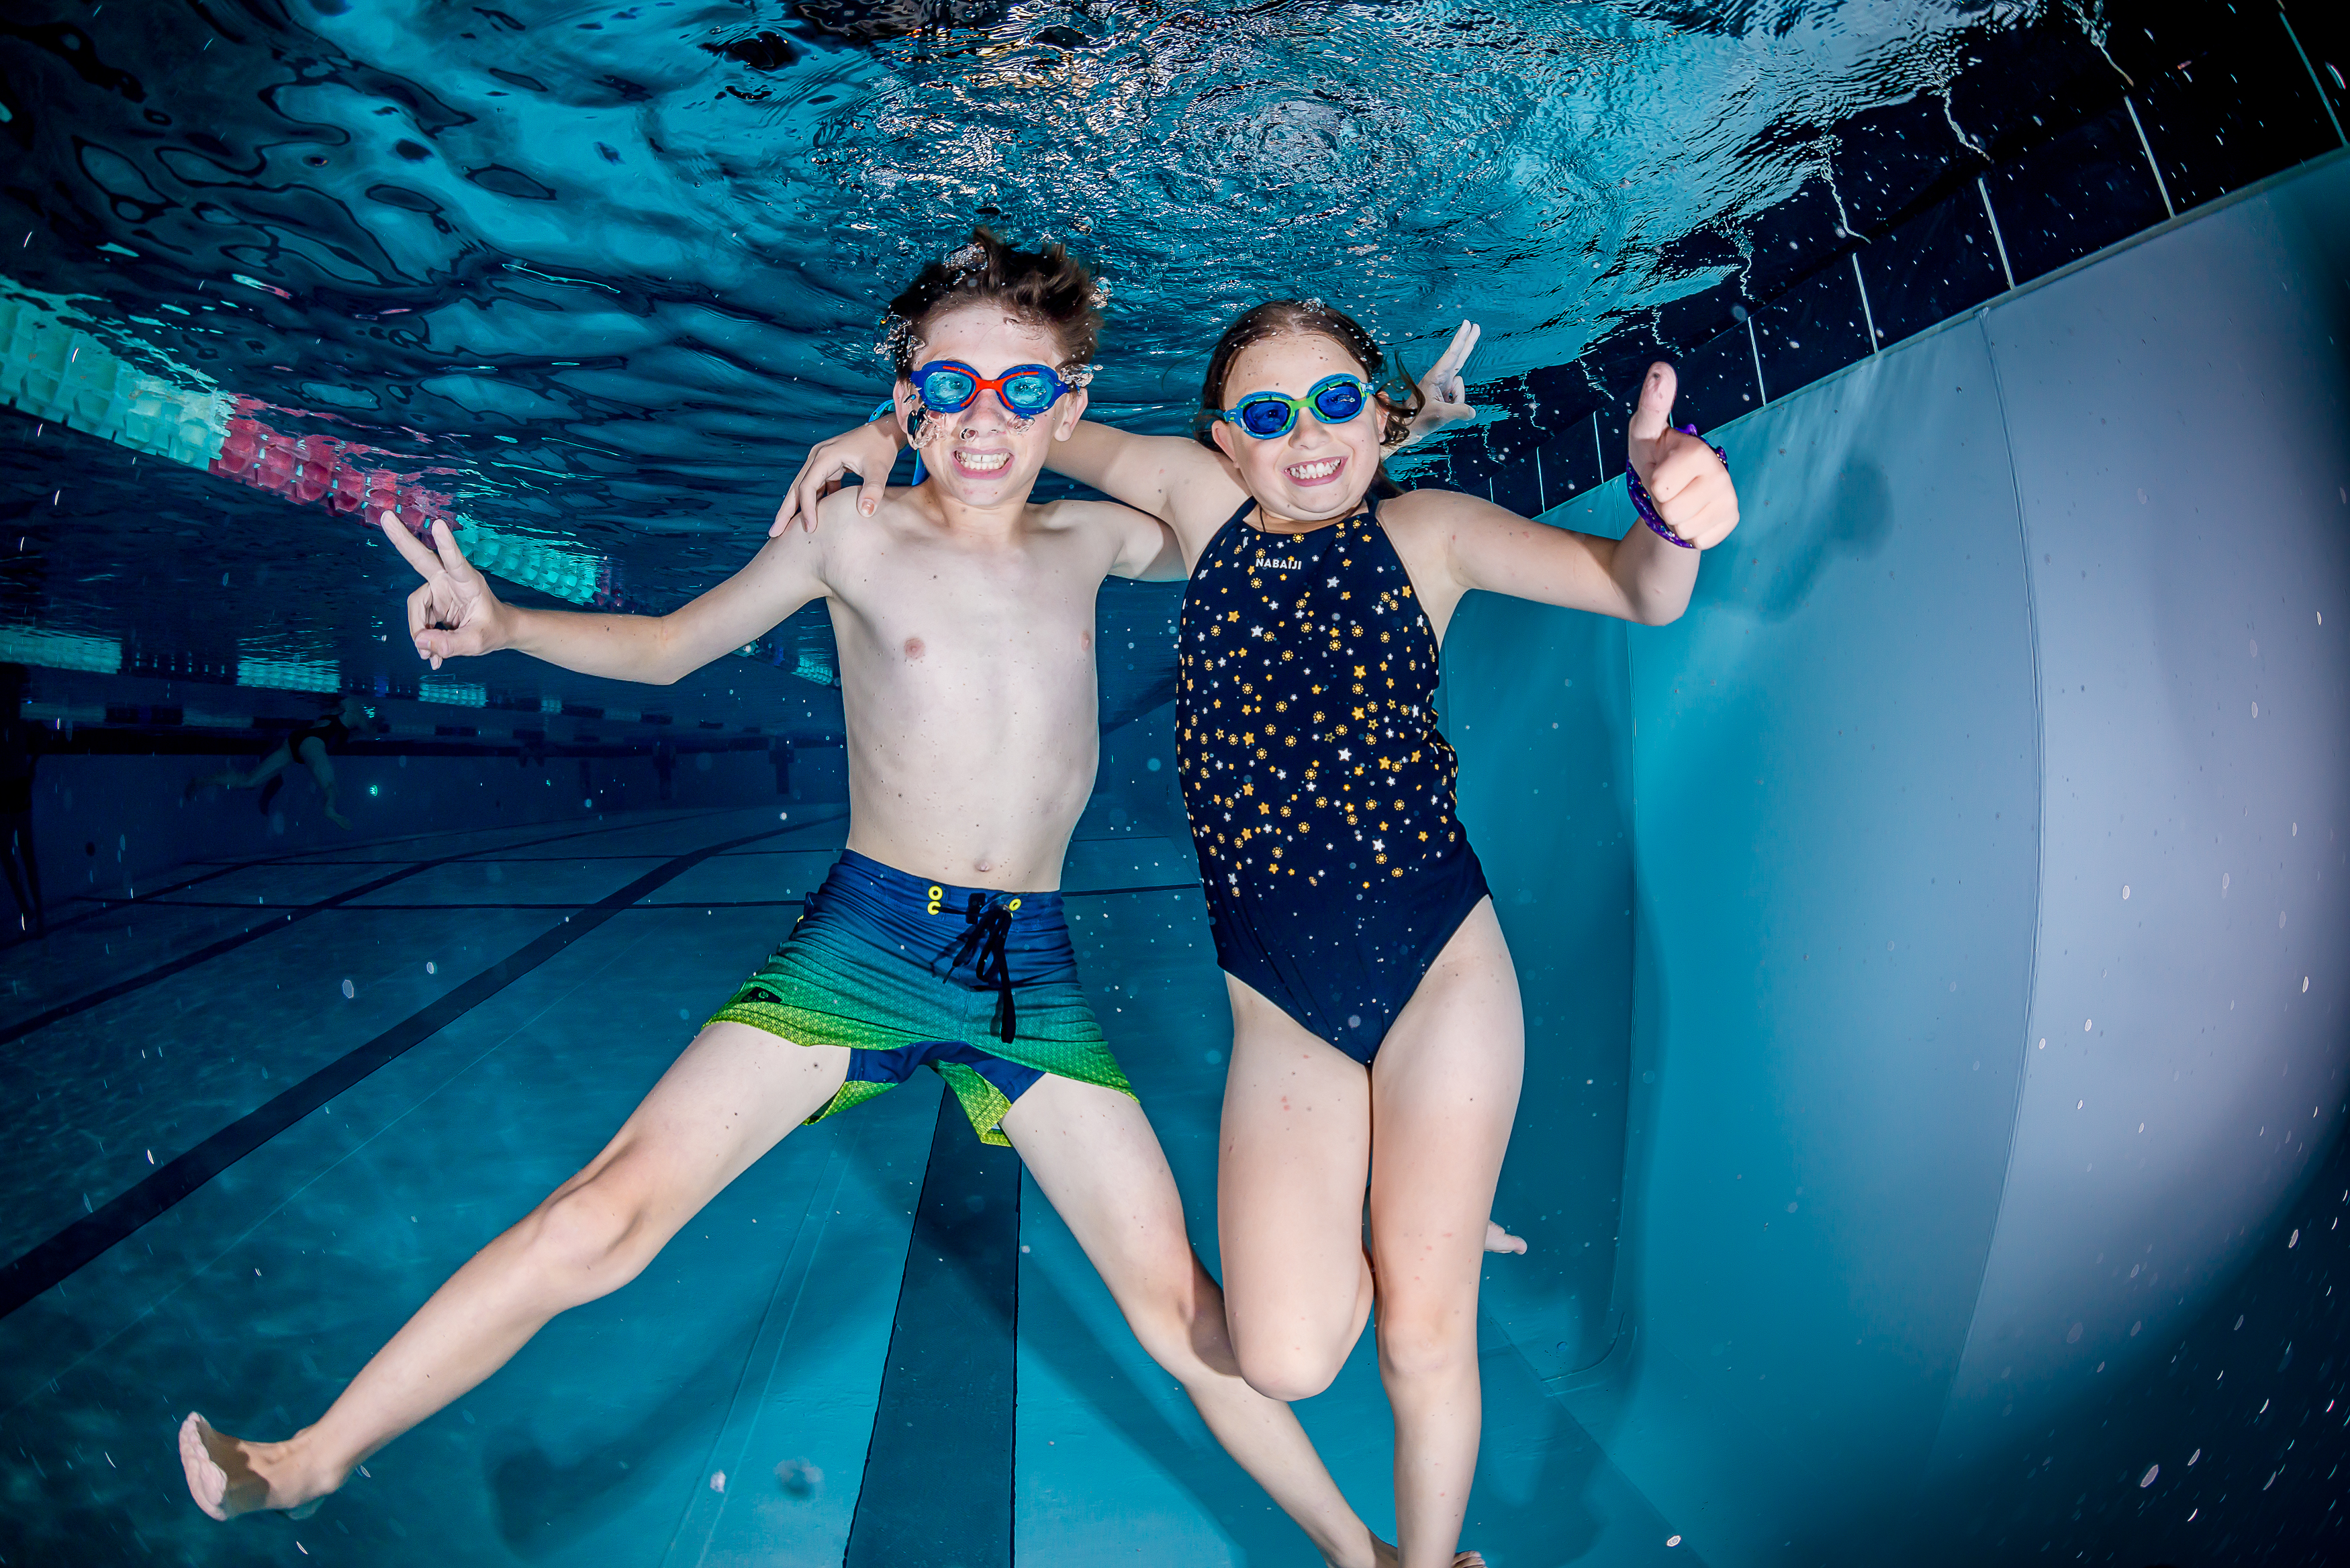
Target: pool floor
x=516, y=991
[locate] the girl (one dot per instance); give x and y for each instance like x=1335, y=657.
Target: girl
x=1377, y=1042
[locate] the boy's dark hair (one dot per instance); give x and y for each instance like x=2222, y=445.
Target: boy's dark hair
x=1045, y=287
x=1312, y=318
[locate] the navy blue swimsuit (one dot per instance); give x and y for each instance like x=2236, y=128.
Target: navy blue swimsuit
x=1320, y=793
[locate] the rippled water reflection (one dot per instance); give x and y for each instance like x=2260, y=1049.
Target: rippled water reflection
x=605, y=269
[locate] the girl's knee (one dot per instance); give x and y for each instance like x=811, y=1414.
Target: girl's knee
x=1290, y=1368
x=1432, y=1343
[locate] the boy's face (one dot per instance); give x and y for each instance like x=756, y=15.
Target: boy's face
x=984, y=454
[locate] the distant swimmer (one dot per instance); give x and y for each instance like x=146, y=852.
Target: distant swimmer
x=965, y=617
x=312, y=745
x=19, y=755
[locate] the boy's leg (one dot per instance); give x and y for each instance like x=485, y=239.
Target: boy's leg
x=727, y=1100
x=1096, y=1160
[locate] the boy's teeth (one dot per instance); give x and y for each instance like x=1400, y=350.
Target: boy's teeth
x=983, y=461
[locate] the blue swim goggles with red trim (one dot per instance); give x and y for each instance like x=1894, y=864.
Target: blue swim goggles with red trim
x=1335, y=400
x=949, y=387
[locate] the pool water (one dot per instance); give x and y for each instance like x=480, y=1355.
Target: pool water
x=587, y=280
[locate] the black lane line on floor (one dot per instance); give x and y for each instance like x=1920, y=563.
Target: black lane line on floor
x=28, y=1276
x=222, y=868
x=938, y=1474
x=284, y=919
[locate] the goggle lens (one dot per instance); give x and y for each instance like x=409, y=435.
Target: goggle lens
x=1337, y=401
x=1266, y=418
x=948, y=391
x=1030, y=392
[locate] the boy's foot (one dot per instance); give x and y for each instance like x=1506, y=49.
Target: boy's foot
x=1500, y=1241
x=223, y=1477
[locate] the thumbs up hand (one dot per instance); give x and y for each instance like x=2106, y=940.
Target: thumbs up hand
x=1684, y=478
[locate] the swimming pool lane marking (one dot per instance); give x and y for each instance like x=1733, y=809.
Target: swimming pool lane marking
x=120, y=1217
x=222, y=868
x=948, y=1385
x=280, y=921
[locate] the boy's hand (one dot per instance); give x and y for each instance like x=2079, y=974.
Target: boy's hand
x=1688, y=482
x=454, y=615
x=869, y=451
x=1442, y=393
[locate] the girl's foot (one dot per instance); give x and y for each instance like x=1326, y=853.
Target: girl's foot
x=1388, y=1557
x=228, y=1477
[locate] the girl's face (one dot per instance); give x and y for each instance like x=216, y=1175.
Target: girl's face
x=1313, y=471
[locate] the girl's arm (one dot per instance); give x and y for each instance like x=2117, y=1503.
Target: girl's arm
x=454, y=613
x=1458, y=541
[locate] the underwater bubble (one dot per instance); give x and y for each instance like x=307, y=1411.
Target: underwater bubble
x=718, y=1480
x=2147, y=1480
x=432, y=968
x=1672, y=1541
x=349, y=991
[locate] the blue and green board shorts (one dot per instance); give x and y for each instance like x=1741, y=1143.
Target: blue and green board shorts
x=978, y=985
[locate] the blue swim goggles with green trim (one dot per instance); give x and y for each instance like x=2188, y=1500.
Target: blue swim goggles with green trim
x=1335, y=400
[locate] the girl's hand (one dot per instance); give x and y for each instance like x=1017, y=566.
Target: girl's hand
x=1688, y=482
x=454, y=615
x=869, y=451
x=1442, y=393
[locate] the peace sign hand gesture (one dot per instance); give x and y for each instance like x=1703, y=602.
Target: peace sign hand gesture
x=1443, y=396
x=453, y=615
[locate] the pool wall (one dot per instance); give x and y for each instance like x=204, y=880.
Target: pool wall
x=2024, y=612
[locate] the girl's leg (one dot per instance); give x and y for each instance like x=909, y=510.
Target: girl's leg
x=731, y=1098
x=1295, y=1153
x=1095, y=1156
x=322, y=769
x=1444, y=1091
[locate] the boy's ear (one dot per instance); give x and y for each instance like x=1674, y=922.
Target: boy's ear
x=1073, y=408
x=903, y=393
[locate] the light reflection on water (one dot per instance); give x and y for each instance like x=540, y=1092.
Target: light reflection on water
x=609, y=268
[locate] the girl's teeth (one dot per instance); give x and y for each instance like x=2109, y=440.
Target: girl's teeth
x=1314, y=470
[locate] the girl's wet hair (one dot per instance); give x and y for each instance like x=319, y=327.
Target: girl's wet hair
x=1044, y=287
x=1312, y=318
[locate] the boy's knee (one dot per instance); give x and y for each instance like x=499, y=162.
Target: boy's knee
x=590, y=1237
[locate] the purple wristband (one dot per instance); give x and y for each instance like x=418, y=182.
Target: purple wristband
x=1646, y=505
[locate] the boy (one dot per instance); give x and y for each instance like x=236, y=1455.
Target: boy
x=964, y=618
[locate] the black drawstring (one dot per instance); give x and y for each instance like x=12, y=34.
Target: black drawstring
x=987, y=925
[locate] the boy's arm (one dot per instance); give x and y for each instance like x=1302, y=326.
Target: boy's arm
x=454, y=613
